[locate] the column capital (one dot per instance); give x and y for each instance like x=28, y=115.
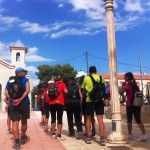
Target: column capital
x=108, y=4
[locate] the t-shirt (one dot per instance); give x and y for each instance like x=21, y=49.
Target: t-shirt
x=60, y=99
x=129, y=93
x=24, y=81
x=88, y=85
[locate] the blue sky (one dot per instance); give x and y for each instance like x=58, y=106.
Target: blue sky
x=61, y=31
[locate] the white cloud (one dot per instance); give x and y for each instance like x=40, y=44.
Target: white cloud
x=60, y=5
x=32, y=69
x=30, y=57
x=32, y=50
x=36, y=58
x=94, y=9
x=33, y=27
x=4, y=52
x=34, y=82
x=133, y=5
x=66, y=32
x=7, y=22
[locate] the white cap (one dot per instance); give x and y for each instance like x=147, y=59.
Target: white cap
x=50, y=81
x=80, y=74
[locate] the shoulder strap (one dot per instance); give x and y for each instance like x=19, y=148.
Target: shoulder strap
x=93, y=81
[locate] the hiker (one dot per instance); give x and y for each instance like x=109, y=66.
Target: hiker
x=41, y=106
x=17, y=91
x=73, y=108
x=128, y=87
x=57, y=102
x=107, y=93
x=7, y=101
x=47, y=105
x=83, y=112
x=96, y=104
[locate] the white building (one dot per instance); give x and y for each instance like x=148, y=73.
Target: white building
x=18, y=52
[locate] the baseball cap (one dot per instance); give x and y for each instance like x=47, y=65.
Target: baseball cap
x=20, y=69
x=50, y=81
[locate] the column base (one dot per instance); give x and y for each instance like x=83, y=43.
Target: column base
x=116, y=138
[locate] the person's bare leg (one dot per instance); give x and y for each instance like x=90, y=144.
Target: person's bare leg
x=101, y=125
x=142, y=128
x=59, y=127
x=53, y=125
x=88, y=126
x=23, y=127
x=129, y=128
x=15, y=127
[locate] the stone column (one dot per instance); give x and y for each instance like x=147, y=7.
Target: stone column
x=35, y=104
x=116, y=135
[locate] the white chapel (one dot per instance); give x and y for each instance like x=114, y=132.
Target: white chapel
x=18, y=53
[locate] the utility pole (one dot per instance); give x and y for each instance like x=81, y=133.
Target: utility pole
x=116, y=136
x=141, y=73
x=87, y=65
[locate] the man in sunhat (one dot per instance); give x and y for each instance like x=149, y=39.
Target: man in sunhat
x=20, y=103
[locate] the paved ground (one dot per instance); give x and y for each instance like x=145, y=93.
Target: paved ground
x=39, y=140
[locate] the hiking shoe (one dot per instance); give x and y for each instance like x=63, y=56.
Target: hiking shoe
x=46, y=129
x=88, y=141
x=53, y=136
x=9, y=131
x=102, y=142
x=79, y=136
x=23, y=139
x=142, y=138
x=60, y=138
x=16, y=146
x=130, y=137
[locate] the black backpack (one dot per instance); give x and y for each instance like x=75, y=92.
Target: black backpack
x=15, y=87
x=98, y=90
x=73, y=92
x=53, y=91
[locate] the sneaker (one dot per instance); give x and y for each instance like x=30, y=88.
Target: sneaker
x=88, y=141
x=46, y=129
x=130, y=137
x=23, y=139
x=79, y=136
x=53, y=136
x=142, y=138
x=102, y=142
x=9, y=131
x=16, y=146
x=60, y=138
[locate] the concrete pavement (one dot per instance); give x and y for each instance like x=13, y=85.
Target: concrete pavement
x=39, y=140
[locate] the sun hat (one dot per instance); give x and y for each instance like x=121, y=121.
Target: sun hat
x=20, y=69
x=50, y=81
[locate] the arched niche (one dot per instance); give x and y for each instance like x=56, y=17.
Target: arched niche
x=17, y=56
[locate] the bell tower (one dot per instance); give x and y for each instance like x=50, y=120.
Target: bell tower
x=18, y=51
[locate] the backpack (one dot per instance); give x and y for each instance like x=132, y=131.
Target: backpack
x=15, y=87
x=137, y=97
x=53, y=91
x=73, y=92
x=98, y=90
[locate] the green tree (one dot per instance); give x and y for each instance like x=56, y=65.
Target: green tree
x=47, y=72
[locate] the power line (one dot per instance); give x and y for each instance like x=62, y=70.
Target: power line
x=69, y=60
x=119, y=62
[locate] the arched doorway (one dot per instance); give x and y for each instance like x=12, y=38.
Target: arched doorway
x=0, y=97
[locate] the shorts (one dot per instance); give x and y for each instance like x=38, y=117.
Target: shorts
x=20, y=112
x=97, y=107
x=56, y=109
